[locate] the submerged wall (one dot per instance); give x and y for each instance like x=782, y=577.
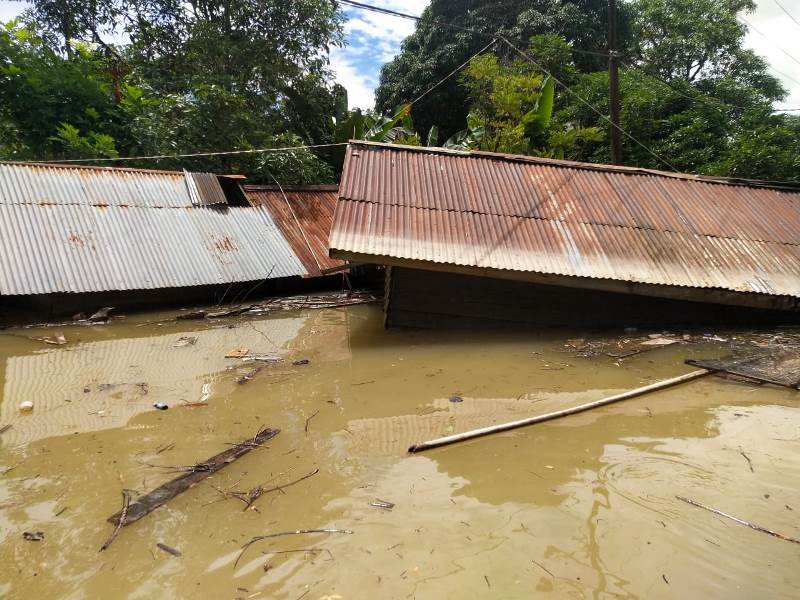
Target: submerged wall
x=429, y=299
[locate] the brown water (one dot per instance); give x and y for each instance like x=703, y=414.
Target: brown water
x=583, y=507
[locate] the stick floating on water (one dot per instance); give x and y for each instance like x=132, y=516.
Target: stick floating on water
x=740, y=521
x=467, y=435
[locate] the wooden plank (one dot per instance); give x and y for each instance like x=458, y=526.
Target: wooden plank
x=166, y=492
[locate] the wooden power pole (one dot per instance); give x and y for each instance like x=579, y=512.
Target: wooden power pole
x=613, y=83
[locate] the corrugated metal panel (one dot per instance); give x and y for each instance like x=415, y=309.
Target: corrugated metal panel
x=68, y=248
x=526, y=214
x=310, y=207
x=204, y=189
x=22, y=183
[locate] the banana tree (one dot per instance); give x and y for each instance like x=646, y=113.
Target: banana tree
x=356, y=125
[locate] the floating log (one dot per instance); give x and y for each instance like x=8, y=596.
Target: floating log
x=195, y=474
x=467, y=435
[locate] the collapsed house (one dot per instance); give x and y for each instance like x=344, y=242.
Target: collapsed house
x=68, y=229
x=480, y=237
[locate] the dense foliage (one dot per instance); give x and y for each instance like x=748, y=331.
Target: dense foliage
x=434, y=50
x=188, y=77
x=690, y=92
x=192, y=77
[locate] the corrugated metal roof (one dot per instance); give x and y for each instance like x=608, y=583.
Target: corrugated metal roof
x=305, y=221
x=66, y=229
x=556, y=217
x=36, y=183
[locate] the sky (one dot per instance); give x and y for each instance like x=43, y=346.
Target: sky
x=373, y=39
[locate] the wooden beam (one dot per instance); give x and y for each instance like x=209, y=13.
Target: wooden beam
x=194, y=475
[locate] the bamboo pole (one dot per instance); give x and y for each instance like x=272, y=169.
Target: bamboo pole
x=468, y=435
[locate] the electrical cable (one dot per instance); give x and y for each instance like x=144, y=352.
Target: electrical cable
x=194, y=154
x=788, y=14
x=590, y=105
x=386, y=11
x=394, y=13
x=758, y=31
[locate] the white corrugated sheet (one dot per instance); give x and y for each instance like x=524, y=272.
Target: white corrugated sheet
x=65, y=229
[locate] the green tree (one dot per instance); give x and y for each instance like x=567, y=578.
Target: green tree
x=210, y=76
x=434, y=50
x=690, y=91
x=52, y=107
x=763, y=147
x=511, y=105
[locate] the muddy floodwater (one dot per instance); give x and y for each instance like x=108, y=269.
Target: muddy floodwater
x=582, y=507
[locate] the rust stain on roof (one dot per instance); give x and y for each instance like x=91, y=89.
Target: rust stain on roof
x=305, y=222
x=530, y=214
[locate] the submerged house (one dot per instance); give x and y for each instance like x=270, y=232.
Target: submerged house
x=304, y=214
x=124, y=233
x=482, y=237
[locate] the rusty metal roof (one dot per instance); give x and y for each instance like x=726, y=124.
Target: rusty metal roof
x=78, y=229
x=304, y=216
x=527, y=214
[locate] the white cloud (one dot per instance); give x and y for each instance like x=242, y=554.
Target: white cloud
x=372, y=40
x=360, y=84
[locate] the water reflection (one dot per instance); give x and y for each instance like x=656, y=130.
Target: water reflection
x=100, y=385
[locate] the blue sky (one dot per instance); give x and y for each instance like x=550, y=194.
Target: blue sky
x=373, y=39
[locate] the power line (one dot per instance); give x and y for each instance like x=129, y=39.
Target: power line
x=453, y=72
x=705, y=98
x=394, y=13
x=751, y=26
x=788, y=14
x=590, y=105
x=701, y=97
x=386, y=11
x=195, y=154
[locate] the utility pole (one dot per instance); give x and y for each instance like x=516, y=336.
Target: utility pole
x=613, y=83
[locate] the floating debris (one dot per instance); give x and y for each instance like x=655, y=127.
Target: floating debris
x=248, y=376
x=186, y=340
x=266, y=358
x=56, y=340
x=194, y=474
x=377, y=503
x=284, y=303
x=168, y=549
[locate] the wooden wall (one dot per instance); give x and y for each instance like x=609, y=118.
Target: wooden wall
x=429, y=299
